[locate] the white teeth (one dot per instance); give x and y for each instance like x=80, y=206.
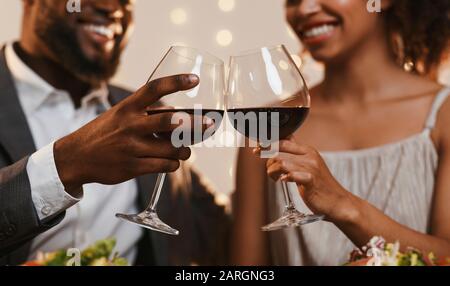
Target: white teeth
x=319, y=31
x=101, y=30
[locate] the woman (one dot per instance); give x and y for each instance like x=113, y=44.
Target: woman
x=360, y=171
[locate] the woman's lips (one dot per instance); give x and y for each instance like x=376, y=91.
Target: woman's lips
x=318, y=32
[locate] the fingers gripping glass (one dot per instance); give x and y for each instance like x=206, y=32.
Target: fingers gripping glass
x=205, y=101
x=267, y=91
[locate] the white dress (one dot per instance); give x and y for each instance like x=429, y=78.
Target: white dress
x=397, y=178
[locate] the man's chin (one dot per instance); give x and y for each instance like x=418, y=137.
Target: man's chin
x=94, y=69
x=95, y=66
x=97, y=78
x=96, y=55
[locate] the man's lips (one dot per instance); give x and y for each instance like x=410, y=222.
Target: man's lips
x=102, y=33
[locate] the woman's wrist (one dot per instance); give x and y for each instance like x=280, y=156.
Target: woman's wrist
x=348, y=210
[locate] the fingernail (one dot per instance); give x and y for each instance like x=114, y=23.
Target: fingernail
x=193, y=78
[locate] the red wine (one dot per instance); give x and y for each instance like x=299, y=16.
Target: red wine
x=260, y=123
x=197, y=133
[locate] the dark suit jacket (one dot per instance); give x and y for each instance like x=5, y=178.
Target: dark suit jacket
x=203, y=225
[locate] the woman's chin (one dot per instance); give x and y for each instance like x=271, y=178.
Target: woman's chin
x=324, y=57
x=326, y=54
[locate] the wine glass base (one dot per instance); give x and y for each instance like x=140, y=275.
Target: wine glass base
x=149, y=220
x=292, y=218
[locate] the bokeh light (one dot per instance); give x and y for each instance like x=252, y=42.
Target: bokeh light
x=224, y=38
x=178, y=16
x=226, y=5
x=297, y=60
x=283, y=65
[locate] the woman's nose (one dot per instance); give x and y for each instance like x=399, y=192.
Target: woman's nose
x=308, y=7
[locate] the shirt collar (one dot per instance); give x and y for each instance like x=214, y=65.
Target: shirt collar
x=41, y=91
x=97, y=96
x=26, y=79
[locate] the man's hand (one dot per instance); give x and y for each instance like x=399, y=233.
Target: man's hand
x=120, y=144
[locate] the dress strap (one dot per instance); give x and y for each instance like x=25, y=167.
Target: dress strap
x=437, y=104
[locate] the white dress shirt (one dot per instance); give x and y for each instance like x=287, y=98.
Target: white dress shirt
x=51, y=115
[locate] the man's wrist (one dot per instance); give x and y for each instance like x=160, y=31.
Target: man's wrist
x=68, y=169
x=47, y=191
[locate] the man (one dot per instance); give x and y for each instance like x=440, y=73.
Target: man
x=53, y=84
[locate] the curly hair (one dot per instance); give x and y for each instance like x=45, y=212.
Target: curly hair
x=420, y=30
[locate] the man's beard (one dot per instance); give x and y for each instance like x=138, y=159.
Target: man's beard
x=62, y=41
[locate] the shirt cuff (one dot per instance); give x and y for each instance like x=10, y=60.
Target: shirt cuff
x=47, y=190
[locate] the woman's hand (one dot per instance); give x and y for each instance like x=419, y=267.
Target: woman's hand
x=317, y=186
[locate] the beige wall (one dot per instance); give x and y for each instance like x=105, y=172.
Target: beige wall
x=253, y=23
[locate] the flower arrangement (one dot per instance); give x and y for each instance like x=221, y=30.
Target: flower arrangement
x=98, y=254
x=379, y=253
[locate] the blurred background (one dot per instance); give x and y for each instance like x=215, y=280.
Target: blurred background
x=222, y=27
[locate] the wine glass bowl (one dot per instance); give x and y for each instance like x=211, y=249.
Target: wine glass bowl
x=198, y=111
x=267, y=101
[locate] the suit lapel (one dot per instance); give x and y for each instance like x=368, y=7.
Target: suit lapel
x=15, y=135
x=146, y=184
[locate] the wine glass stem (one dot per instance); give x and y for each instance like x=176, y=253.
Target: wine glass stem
x=156, y=193
x=287, y=196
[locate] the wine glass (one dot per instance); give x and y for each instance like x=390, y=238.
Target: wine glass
x=267, y=101
x=201, y=109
